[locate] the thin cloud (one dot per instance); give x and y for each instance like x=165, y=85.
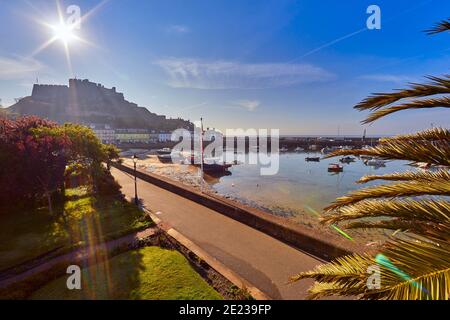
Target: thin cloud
x=250, y=105
x=387, y=78
x=18, y=68
x=177, y=28
x=222, y=74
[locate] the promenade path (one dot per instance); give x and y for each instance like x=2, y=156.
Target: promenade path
x=265, y=262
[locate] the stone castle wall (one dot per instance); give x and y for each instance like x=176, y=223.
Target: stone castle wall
x=83, y=91
x=47, y=92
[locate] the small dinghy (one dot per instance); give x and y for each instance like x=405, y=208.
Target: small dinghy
x=335, y=167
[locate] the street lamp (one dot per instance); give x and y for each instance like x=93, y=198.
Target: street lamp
x=136, y=200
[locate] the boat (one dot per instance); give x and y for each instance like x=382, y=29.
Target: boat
x=335, y=167
x=347, y=159
x=298, y=149
x=165, y=158
x=284, y=149
x=363, y=157
x=375, y=163
x=215, y=167
x=164, y=151
x=316, y=159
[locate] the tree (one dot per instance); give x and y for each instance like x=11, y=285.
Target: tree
x=414, y=263
x=86, y=150
x=112, y=153
x=32, y=164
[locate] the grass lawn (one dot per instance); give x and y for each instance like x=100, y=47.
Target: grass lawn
x=82, y=219
x=148, y=273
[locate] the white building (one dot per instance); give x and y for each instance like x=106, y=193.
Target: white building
x=164, y=136
x=104, y=133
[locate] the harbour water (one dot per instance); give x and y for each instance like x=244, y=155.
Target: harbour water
x=300, y=188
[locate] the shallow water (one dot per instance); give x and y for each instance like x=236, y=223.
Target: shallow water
x=298, y=185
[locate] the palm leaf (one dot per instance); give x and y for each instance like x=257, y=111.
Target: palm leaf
x=442, y=26
x=427, y=264
x=323, y=289
x=429, y=152
x=442, y=102
x=433, y=134
x=408, y=176
x=436, y=86
x=417, y=270
x=348, y=270
x=439, y=187
x=437, y=211
x=420, y=228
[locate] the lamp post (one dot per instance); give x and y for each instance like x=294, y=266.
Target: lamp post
x=136, y=200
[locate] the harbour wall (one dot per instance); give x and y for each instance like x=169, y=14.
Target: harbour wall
x=325, y=247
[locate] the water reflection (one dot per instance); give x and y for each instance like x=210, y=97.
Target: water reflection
x=298, y=182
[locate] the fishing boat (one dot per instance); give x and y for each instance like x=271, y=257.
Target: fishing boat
x=164, y=151
x=347, y=159
x=335, y=167
x=316, y=159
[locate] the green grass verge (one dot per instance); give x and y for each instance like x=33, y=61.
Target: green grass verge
x=81, y=220
x=149, y=273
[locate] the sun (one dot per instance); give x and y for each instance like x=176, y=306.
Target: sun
x=64, y=32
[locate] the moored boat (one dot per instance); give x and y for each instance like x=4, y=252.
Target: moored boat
x=347, y=159
x=335, y=167
x=316, y=159
x=164, y=151
x=375, y=163
x=165, y=158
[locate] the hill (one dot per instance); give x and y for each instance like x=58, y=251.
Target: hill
x=86, y=102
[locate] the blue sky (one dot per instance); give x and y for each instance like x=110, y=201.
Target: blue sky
x=295, y=65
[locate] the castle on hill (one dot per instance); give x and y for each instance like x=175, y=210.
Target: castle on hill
x=86, y=102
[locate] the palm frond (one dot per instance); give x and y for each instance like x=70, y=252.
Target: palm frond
x=442, y=26
x=437, y=211
x=378, y=100
x=441, y=102
x=427, y=265
x=348, y=270
x=434, y=153
x=420, y=228
x=408, y=176
x=440, y=187
x=415, y=270
x=324, y=289
x=433, y=134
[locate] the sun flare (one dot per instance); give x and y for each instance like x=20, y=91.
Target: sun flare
x=64, y=33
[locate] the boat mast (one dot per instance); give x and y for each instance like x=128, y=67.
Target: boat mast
x=201, y=154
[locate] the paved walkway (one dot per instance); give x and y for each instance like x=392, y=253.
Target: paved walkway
x=260, y=259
